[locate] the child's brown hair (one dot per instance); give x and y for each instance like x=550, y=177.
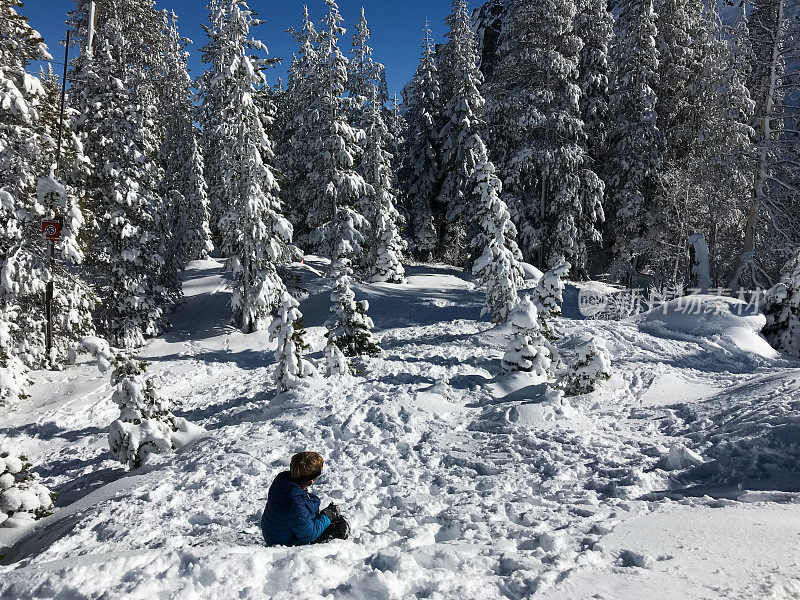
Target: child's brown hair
x=306, y=466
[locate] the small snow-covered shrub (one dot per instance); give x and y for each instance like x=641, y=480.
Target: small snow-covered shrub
x=527, y=349
x=290, y=367
x=349, y=327
x=99, y=349
x=12, y=379
x=549, y=296
x=335, y=361
x=12, y=370
x=146, y=424
x=783, y=310
x=592, y=364
x=22, y=498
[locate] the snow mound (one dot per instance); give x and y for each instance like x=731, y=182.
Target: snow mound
x=680, y=457
x=730, y=322
x=532, y=274
x=750, y=435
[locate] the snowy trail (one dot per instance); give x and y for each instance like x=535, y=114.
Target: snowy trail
x=484, y=492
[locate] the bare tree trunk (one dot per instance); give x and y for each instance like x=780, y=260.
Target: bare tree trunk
x=761, y=178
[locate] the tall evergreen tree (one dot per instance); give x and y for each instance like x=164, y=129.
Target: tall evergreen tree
x=333, y=174
x=23, y=270
x=365, y=77
x=298, y=131
x=718, y=159
x=180, y=156
x=116, y=102
x=594, y=25
x=214, y=88
x=678, y=23
x=256, y=238
x=420, y=173
x=541, y=139
x=463, y=107
x=384, y=254
x=636, y=144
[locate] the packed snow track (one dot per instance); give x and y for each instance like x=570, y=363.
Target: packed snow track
x=678, y=479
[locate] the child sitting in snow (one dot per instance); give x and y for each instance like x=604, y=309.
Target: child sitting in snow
x=292, y=516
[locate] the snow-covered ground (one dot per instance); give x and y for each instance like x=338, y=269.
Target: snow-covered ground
x=679, y=479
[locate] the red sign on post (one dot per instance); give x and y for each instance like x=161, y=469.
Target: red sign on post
x=51, y=230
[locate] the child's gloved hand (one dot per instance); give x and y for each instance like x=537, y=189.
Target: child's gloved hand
x=332, y=511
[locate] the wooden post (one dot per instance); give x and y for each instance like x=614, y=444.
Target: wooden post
x=90, y=35
x=51, y=245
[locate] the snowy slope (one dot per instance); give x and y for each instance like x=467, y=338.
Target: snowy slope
x=678, y=479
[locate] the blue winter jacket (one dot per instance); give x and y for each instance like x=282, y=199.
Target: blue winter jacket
x=291, y=517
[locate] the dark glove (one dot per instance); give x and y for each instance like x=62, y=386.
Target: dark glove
x=332, y=511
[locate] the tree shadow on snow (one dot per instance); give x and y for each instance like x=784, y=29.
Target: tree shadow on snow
x=400, y=306
x=247, y=360
x=232, y=412
x=51, y=430
x=436, y=339
x=447, y=361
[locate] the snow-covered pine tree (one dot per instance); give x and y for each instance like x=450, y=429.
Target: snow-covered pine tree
x=126, y=254
x=12, y=370
x=365, y=77
x=349, y=327
x=336, y=363
x=366, y=87
x=592, y=363
x=290, y=366
x=333, y=177
x=678, y=25
x=180, y=157
x=463, y=107
x=527, y=349
x=398, y=128
x=137, y=51
x=146, y=424
x=497, y=263
x=701, y=185
x=23, y=499
x=214, y=88
x=773, y=224
x=384, y=252
x=594, y=25
x=783, y=310
x=420, y=173
x=635, y=142
x=539, y=134
x=28, y=194
x=298, y=130
x=549, y=297
x=256, y=238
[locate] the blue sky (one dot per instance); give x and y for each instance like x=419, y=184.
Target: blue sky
x=395, y=27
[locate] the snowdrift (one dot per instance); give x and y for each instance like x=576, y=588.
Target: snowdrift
x=727, y=322
x=459, y=482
